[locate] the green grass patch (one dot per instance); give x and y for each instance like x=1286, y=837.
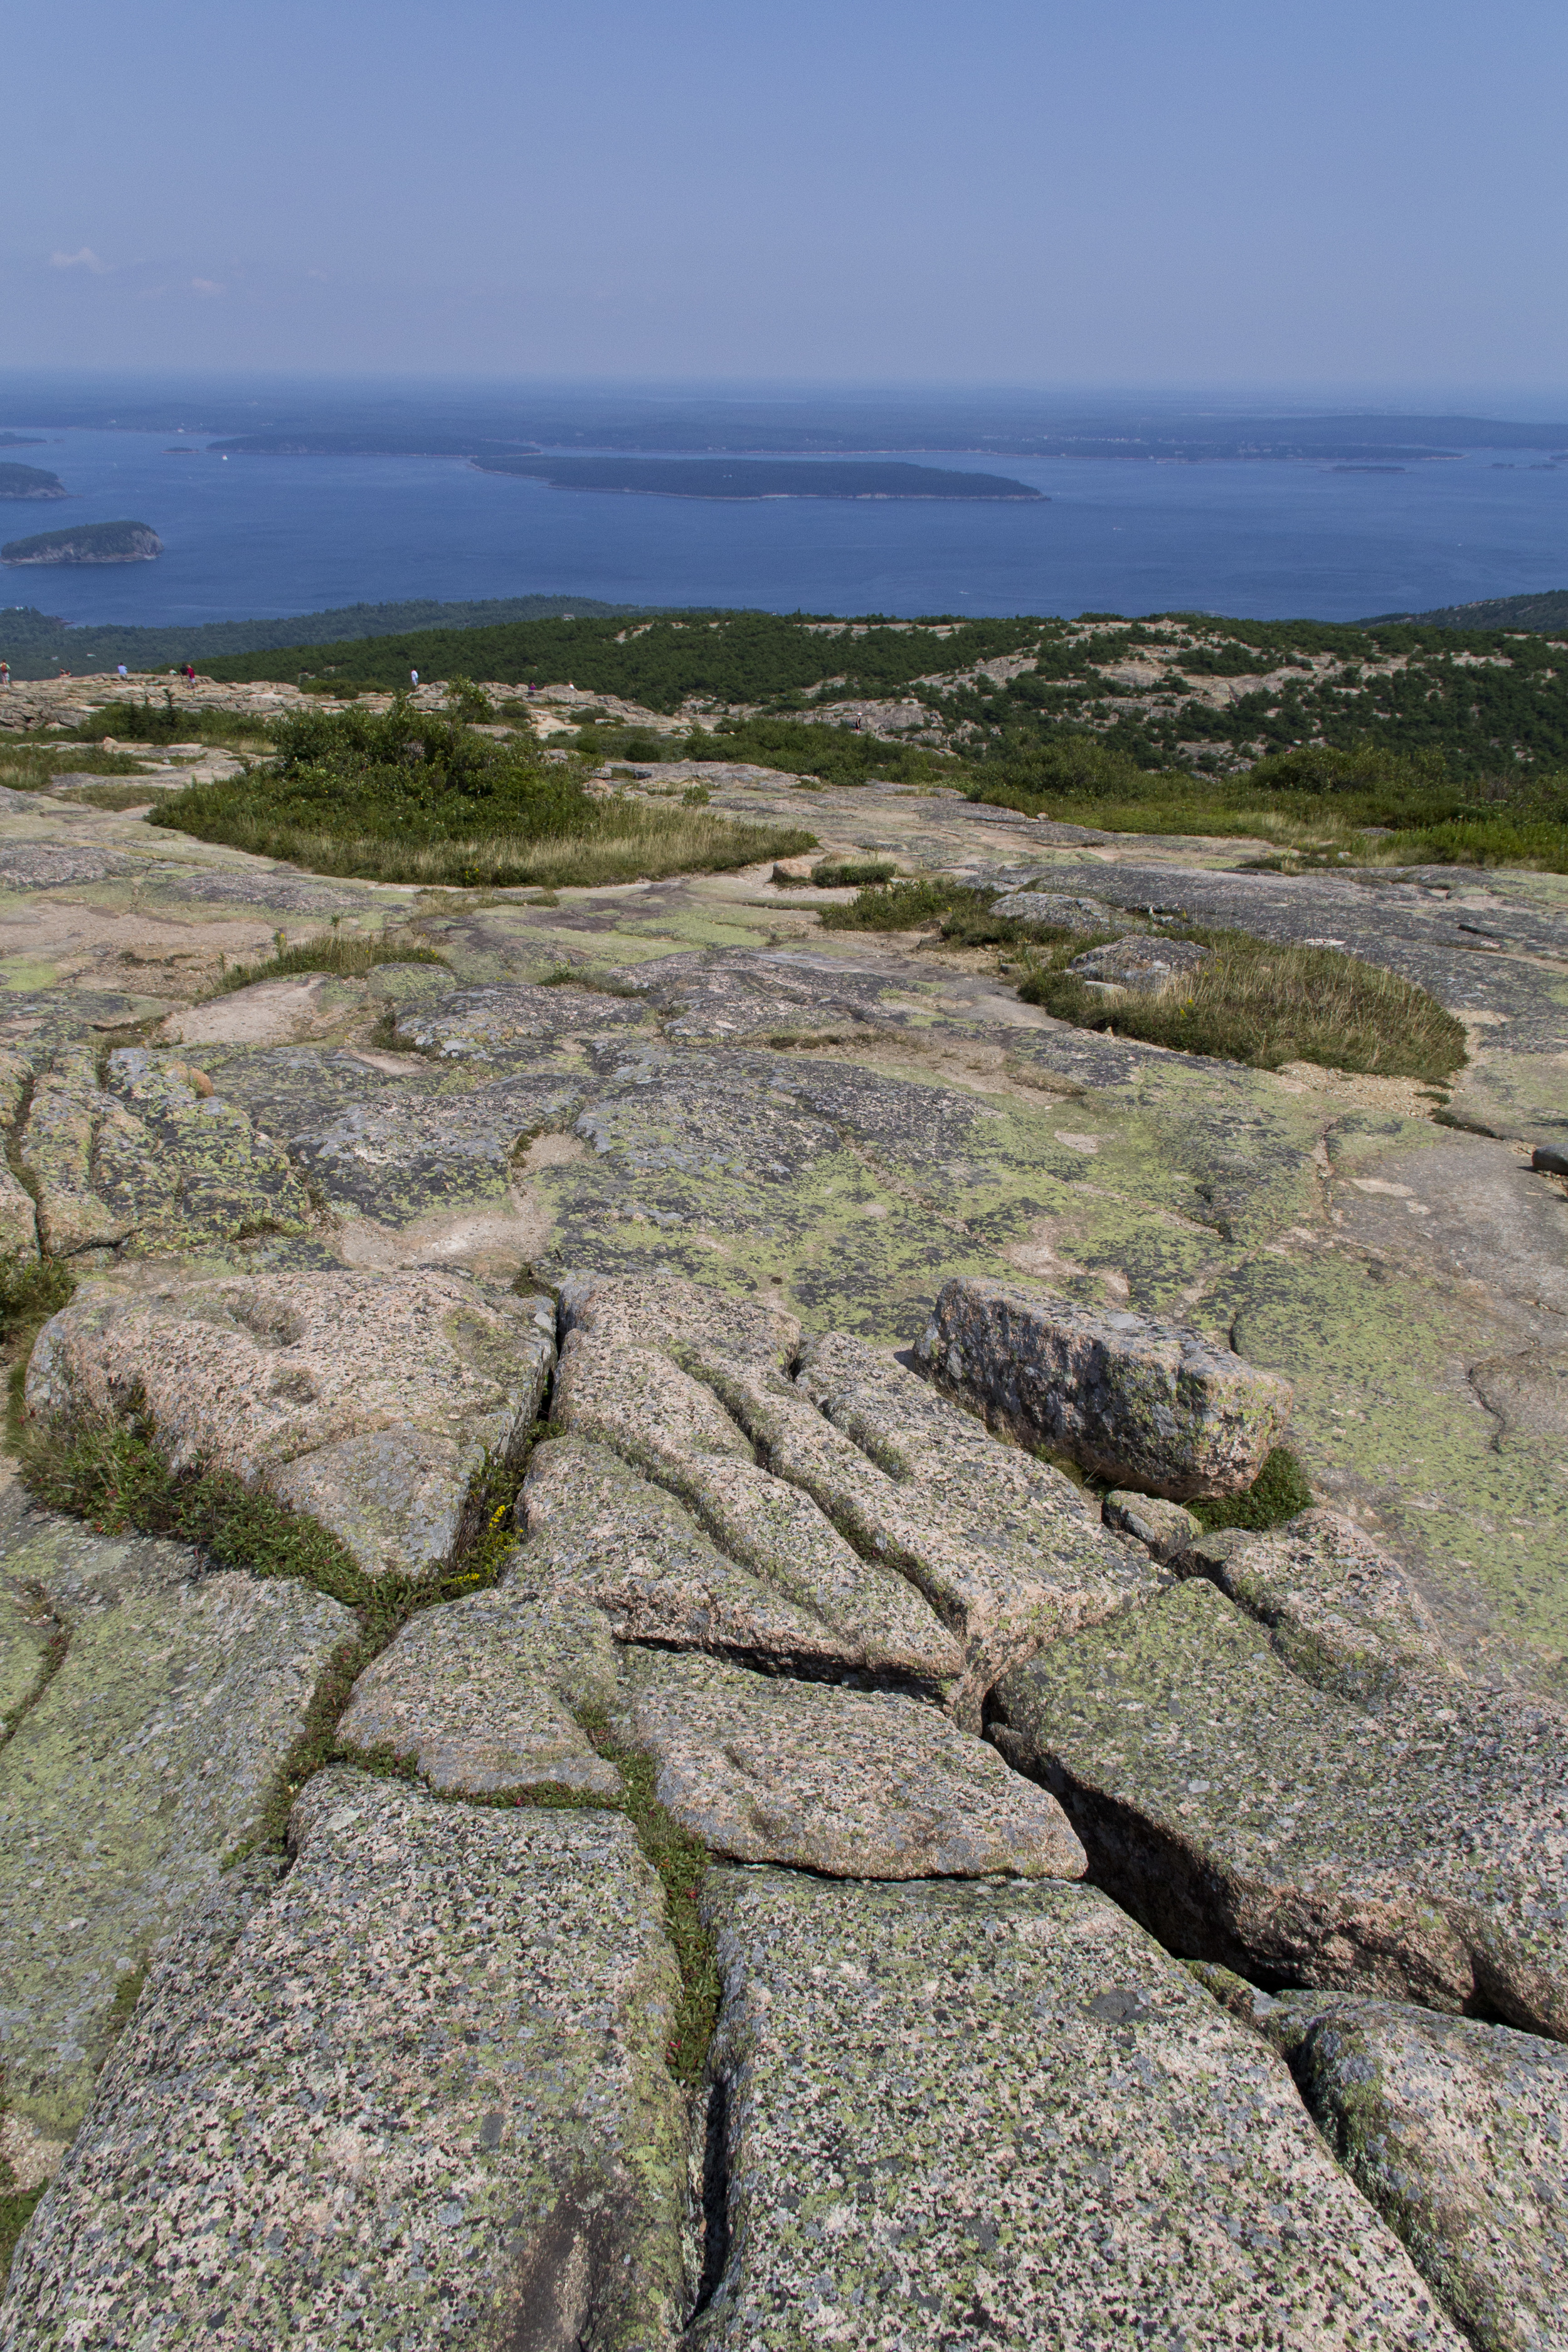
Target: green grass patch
x=168, y=720
x=412, y=796
x=33, y=767
x=1279, y=1493
x=348, y=955
x=839, y=874
x=681, y=1861
x=1256, y=1002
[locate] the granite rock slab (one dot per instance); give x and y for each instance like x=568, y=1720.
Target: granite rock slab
x=1139, y=967
x=1143, y=1403
x=1061, y=909
x=481, y=1693
x=370, y=1401
x=479, y=1023
x=642, y=1405
x=1417, y=1850
x=998, y=2115
x=1164, y=1528
x=856, y=1784
x=411, y=2094
x=597, y=1531
x=144, y=1759
x=1456, y=2131
x=663, y=1311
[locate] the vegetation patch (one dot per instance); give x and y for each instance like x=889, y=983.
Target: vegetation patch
x=681, y=1861
x=839, y=874
x=1263, y=1003
x=412, y=796
x=348, y=955
x=32, y=767
x=1279, y=1491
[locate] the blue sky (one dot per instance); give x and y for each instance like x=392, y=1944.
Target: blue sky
x=1341, y=199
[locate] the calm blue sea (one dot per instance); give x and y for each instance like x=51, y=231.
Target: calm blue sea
x=260, y=536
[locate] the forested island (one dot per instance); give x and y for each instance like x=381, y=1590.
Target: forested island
x=87, y=542
x=745, y=478
x=30, y=482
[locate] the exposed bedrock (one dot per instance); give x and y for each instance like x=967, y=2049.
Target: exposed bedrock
x=997, y=2115
x=163, y=1703
x=1454, y=2130
x=371, y=1400
x=1300, y=1787
x=1143, y=1403
x=412, y=2093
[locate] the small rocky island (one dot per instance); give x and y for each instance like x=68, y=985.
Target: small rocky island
x=88, y=542
x=30, y=482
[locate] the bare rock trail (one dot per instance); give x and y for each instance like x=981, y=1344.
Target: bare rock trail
x=749, y=1813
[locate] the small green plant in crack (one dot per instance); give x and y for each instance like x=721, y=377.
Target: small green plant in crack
x=345, y=955
x=682, y=1863
x=1279, y=1493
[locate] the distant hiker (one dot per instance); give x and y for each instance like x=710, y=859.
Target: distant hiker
x=123, y=672
x=412, y=677
x=190, y=673
x=4, y=674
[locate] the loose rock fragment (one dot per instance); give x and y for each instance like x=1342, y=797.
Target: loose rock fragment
x=1456, y=2131
x=1000, y=2115
x=146, y=1757
x=1144, y=1404
x=599, y=1531
x=1139, y=967
x=371, y=1400
x=1164, y=1526
x=858, y=1784
x=481, y=1693
x=1249, y=1817
x=414, y=2094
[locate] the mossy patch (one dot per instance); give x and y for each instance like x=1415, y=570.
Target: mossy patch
x=1279, y=1493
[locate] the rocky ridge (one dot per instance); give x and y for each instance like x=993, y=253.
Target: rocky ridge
x=978, y=1763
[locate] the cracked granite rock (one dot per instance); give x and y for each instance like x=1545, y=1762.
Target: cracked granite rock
x=56, y=1150
x=1456, y=2131
x=412, y=2094
x=371, y=1400
x=856, y=1784
x=1144, y=1404
x=1340, y=1612
x=1416, y=1847
x=661, y=1310
x=1000, y=2115
x=1138, y=967
x=672, y=1427
x=597, y=1530
x=141, y=1761
x=481, y=1023
x=481, y=1693
x=1056, y=908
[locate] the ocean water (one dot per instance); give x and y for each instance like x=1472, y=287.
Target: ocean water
x=254, y=536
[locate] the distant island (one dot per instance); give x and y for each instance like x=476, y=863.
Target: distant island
x=87, y=542
x=30, y=482
x=746, y=477
x=21, y=441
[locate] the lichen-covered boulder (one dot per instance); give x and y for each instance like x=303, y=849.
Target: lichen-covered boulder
x=1455, y=2130
x=1144, y=1404
x=1138, y=967
x=371, y=1400
x=1163, y=1527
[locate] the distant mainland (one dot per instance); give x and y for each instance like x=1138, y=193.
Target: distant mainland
x=87, y=542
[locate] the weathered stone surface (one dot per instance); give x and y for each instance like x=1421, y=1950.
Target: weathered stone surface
x=661, y=1310
x=1139, y=967
x=1056, y=907
x=1249, y=1817
x=1004, y=1583
x=413, y=2095
x=857, y=1784
x=368, y=1400
x=479, y=1023
x=28, y=1628
x=147, y=1757
x=1149, y=1404
x=56, y=1152
x=1164, y=1526
x=959, y=2115
x=642, y=1405
x=1456, y=2131
x=271, y=1011
x=186, y=1167
x=481, y=1693
x=600, y=1532
x=1340, y=1612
